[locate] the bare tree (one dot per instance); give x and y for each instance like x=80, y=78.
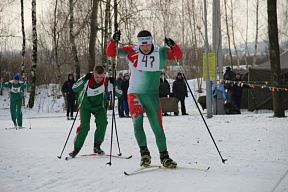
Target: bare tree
x=276, y=80
x=93, y=33
x=23, y=45
x=256, y=35
x=106, y=36
x=23, y=38
x=228, y=34
x=246, y=40
x=72, y=39
x=34, y=56
x=233, y=32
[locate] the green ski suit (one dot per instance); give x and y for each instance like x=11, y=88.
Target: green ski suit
x=94, y=103
x=16, y=99
x=143, y=92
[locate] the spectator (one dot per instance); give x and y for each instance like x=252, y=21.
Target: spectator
x=124, y=87
x=228, y=75
x=164, y=88
x=237, y=90
x=70, y=96
x=180, y=92
x=120, y=101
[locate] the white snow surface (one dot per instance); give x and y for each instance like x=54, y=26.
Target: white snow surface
x=255, y=145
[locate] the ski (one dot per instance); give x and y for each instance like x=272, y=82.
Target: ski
x=96, y=155
x=14, y=128
x=154, y=167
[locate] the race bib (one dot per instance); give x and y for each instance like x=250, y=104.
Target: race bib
x=148, y=62
x=15, y=89
x=94, y=92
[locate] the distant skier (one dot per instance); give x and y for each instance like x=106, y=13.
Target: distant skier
x=94, y=102
x=146, y=62
x=16, y=86
x=70, y=95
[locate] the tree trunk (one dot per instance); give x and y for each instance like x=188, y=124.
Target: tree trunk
x=276, y=80
x=106, y=38
x=93, y=33
x=34, y=56
x=246, y=46
x=233, y=34
x=228, y=35
x=55, y=43
x=256, y=37
x=72, y=39
x=23, y=47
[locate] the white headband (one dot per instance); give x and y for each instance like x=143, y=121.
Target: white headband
x=145, y=40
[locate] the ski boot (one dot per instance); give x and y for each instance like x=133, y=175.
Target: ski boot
x=166, y=160
x=145, y=156
x=71, y=118
x=97, y=149
x=68, y=118
x=74, y=152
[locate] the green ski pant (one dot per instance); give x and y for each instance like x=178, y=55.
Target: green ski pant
x=100, y=115
x=151, y=104
x=16, y=111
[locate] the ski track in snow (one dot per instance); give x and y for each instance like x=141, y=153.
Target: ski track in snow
x=254, y=144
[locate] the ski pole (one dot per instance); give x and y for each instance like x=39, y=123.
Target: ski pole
x=113, y=110
x=82, y=96
x=28, y=107
x=114, y=85
x=223, y=160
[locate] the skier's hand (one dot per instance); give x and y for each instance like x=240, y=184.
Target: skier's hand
x=111, y=79
x=88, y=76
x=169, y=42
x=2, y=79
x=25, y=78
x=116, y=36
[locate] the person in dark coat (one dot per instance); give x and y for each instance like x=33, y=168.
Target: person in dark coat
x=124, y=87
x=237, y=90
x=70, y=96
x=180, y=92
x=164, y=88
x=120, y=101
x=228, y=75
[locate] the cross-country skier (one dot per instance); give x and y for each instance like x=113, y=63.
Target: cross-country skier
x=146, y=62
x=94, y=102
x=16, y=86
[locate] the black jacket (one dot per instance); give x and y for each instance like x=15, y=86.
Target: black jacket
x=236, y=89
x=119, y=81
x=124, y=87
x=180, y=89
x=67, y=88
x=164, y=88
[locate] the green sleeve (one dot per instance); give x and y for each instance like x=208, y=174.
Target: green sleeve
x=163, y=56
x=26, y=85
x=6, y=85
x=79, y=85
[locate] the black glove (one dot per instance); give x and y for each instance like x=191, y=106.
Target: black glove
x=88, y=76
x=116, y=36
x=169, y=42
x=111, y=79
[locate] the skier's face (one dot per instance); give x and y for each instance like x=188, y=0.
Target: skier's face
x=145, y=48
x=16, y=82
x=98, y=77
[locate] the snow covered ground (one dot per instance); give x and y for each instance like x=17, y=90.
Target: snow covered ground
x=255, y=145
